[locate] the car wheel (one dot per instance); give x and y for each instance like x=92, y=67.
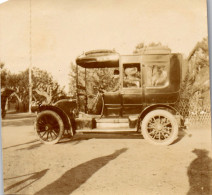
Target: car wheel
x=159, y=127
x=49, y=127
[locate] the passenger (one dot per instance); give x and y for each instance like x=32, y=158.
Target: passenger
x=132, y=77
x=159, y=76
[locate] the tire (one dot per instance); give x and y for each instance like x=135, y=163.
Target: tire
x=159, y=127
x=49, y=127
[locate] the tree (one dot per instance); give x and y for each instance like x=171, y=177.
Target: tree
x=196, y=85
x=3, y=75
x=46, y=88
x=199, y=66
x=95, y=78
x=19, y=83
x=139, y=48
x=72, y=78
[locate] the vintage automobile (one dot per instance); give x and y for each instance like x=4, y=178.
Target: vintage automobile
x=148, y=88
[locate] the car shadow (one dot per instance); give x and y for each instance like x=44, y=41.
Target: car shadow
x=75, y=177
x=78, y=138
x=181, y=135
x=200, y=173
x=33, y=177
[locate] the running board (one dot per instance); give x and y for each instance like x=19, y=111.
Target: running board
x=112, y=125
x=112, y=120
x=106, y=130
x=105, y=123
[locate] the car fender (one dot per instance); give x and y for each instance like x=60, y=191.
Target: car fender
x=67, y=121
x=149, y=108
x=68, y=106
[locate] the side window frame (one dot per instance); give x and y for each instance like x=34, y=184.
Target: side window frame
x=140, y=75
x=166, y=83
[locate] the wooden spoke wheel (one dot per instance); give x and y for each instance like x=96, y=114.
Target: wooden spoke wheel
x=49, y=127
x=159, y=127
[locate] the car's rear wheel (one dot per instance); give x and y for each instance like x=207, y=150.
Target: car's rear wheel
x=159, y=127
x=49, y=127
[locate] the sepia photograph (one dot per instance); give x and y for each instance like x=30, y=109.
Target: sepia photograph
x=105, y=97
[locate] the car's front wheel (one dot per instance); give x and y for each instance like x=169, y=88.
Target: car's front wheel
x=49, y=127
x=159, y=127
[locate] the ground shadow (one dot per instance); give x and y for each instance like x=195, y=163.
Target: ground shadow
x=200, y=173
x=180, y=137
x=31, y=147
x=20, y=144
x=33, y=176
x=75, y=177
x=78, y=138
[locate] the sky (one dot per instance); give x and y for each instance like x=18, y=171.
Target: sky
x=61, y=30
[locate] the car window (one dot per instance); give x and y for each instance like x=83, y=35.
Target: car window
x=131, y=76
x=156, y=75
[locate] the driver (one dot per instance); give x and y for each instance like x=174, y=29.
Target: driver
x=117, y=82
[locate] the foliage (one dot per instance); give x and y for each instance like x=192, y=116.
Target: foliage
x=72, y=78
x=198, y=72
x=44, y=88
x=3, y=75
x=47, y=90
x=95, y=78
x=196, y=85
x=19, y=83
x=141, y=46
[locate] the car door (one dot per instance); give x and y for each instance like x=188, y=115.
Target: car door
x=131, y=85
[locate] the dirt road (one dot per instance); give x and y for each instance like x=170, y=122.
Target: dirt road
x=104, y=164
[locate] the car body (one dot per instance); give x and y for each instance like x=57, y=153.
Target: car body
x=148, y=88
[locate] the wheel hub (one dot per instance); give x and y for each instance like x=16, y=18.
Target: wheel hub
x=159, y=127
x=47, y=128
